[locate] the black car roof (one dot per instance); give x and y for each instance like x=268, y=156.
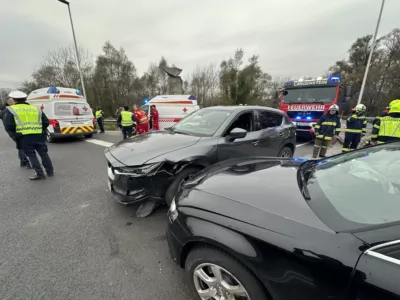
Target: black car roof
x=244, y=107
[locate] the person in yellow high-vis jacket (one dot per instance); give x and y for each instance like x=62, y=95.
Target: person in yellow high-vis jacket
x=27, y=125
x=100, y=118
x=387, y=129
x=126, y=121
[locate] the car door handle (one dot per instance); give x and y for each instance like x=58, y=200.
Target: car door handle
x=255, y=143
x=281, y=134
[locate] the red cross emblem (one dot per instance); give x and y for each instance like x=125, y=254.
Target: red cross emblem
x=184, y=110
x=85, y=108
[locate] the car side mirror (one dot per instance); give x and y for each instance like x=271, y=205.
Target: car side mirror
x=237, y=133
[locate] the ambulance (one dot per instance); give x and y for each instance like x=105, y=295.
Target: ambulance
x=68, y=112
x=171, y=108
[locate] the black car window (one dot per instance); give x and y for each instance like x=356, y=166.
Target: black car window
x=244, y=121
x=267, y=119
x=357, y=190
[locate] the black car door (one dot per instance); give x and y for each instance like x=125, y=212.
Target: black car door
x=242, y=147
x=271, y=132
x=377, y=274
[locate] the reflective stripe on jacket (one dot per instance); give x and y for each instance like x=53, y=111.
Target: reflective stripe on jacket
x=328, y=126
x=386, y=129
x=28, y=119
x=126, y=119
x=356, y=124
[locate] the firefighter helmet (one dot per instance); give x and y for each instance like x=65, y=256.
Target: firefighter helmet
x=394, y=106
x=334, y=107
x=360, y=107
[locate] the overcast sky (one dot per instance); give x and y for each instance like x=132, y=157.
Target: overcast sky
x=292, y=37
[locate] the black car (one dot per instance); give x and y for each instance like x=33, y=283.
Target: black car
x=285, y=229
x=152, y=166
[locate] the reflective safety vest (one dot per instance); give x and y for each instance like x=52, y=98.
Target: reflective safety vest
x=141, y=116
x=389, y=127
x=356, y=124
x=126, y=119
x=28, y=119
x=99, y=114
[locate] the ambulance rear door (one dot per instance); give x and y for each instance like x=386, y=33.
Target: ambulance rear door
x=74, y=117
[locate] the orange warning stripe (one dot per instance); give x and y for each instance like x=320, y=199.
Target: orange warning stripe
x=76, y=129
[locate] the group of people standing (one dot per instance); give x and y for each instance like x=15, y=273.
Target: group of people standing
x=26, y=125
x=386, y=128
x=131, y=122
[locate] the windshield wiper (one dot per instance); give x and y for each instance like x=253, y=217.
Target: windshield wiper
x=179, y=132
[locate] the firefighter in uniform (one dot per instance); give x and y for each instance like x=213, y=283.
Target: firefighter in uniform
x=126, y=121
x=326, y=130
x=100, y=118
x=142, y=120
x=387, y=129
x=27, y=126
x=356, y=128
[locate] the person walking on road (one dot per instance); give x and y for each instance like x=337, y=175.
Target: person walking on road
x=154, y=116
x=100, y=118
x=142, y=120
x=126, y=121
x=27, y=125
x=24, y=162
x=356, y=128
x=326, y=131
x=387, y=129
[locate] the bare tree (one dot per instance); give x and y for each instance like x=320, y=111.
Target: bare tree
x=204, y=84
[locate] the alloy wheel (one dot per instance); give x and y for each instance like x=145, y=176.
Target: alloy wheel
x=286, y=153
x=213, y=282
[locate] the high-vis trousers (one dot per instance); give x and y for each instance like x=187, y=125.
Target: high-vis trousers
x=351, y=141
x=320, y=147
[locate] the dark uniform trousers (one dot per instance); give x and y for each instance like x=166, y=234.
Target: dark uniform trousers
x=101, y=124
x=127, y=131
x=33, y=143
x=351, y=141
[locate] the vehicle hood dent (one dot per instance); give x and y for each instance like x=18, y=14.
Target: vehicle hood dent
x=142, y=148
x=270, y=187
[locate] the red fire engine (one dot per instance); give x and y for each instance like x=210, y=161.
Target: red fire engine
x=306, y=100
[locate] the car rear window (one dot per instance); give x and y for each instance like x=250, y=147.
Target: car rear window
x=358, y=189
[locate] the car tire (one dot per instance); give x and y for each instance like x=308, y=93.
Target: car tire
x=213, y=256
x=49, y=138
x=180, y=178
x=285, y=152
x=89, y=136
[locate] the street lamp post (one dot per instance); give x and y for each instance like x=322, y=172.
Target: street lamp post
x=370, y=53
x=78, y=60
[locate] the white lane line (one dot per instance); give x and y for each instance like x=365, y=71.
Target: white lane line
x=299, y=145
x=99, y=142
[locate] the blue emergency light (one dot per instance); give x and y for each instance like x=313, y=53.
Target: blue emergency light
x=334, y=78
x=146, y=100
x=298, y=118
x=78, y=92
x=308, y=118
x=192, y=97
x=53, y=90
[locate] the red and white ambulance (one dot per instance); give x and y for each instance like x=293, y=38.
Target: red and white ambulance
x=68, y=112
x=171, y=108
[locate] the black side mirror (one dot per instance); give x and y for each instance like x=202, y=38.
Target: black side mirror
x=285, y=93
x=237, y=133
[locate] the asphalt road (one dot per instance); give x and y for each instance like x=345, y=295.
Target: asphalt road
x=65, y=238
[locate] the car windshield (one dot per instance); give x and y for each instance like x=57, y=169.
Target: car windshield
x=358, y=189
x=310, y=95
x=202, y=122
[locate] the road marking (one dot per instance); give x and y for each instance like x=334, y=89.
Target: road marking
x=299, y=145
x=99, y=142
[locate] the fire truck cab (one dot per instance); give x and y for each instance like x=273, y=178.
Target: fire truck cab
x=306, y=100
x=68, y=112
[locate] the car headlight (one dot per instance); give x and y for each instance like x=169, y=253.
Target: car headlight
x=139, y=170
x=173, y=211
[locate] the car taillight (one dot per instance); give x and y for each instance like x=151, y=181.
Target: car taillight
x=54, y=123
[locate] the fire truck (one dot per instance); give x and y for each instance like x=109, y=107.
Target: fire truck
x=306, y=100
